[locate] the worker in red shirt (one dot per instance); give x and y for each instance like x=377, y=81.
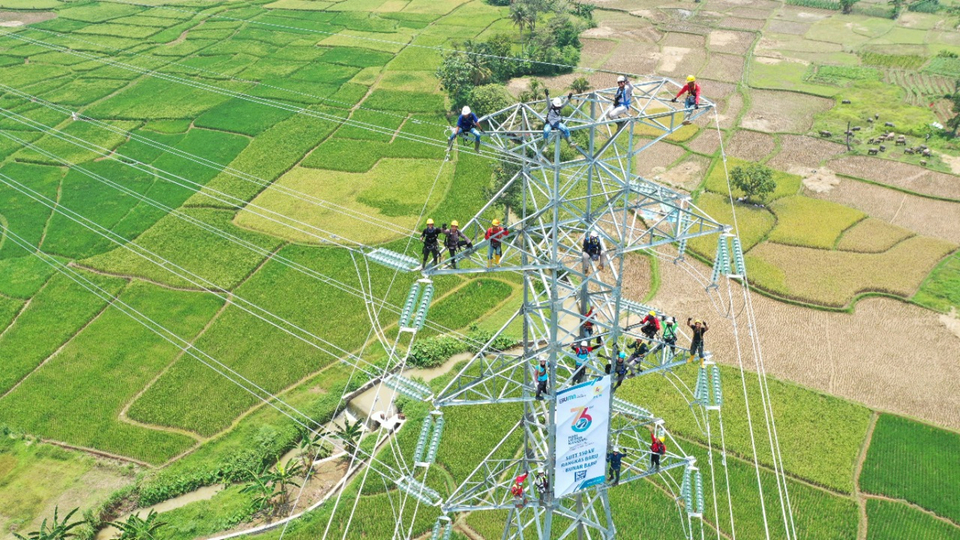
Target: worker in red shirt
x=650, y=325
x=657, y=449
x=495, y=235
x=692, y=89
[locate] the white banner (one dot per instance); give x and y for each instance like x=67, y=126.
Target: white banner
x=583, y=420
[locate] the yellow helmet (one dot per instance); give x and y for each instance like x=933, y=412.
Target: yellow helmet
x=691, y=78
x=697, y=321
x=496, y=222
x=454, y=223
x=653, y=313
x=429, y=221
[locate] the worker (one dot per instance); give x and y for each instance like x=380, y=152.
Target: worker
x=640, y=350
x=615, y=459
x=519, y=497
x=621, y=99
x=495, y=235
x=542, y=484
x=454, y=239
x=692, y=89
x=669, y=335
x=429, y=237
x=699, y=328
x=467, y=122
x=650, y=325
x=657, y=449
x=582, y=350
x=620, y=369
x=555, y=118
x=592, y=251
x=542, y=378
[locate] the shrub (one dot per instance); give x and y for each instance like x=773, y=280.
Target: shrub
x=489, y=98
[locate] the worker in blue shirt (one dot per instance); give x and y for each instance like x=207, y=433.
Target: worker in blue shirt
x=614, y=458
x=467, y=122
x=542, y=377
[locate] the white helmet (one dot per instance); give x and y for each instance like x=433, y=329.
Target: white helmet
x=616, y=449
x=583, y=343
x=465, y=111
x=593, y=234
x=557, y=102
x=621, y=79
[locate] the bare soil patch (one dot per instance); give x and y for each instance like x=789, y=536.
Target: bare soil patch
x=686, y=175
x=776, y=112
x=755, y=13
x=726, y=41
x=800, y=151
x=858, y=356
x=801, y=14
x=634, y=57
x=820, y=180
x=724, y=67
x=952, y=161
x=788, y=27
x=939, y=219
x=25, y=17
x=902, y=175
x=729, y=111
x=741, y=23
x=655, y=160
x=596, y=51
x=706, y=143
x=750, y=145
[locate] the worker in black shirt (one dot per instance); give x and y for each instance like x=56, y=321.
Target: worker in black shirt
x=430, y=238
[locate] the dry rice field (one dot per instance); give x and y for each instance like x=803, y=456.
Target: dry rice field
x=902, y=175
x=912, y=371
x=706, y=143
x=723, y=67
x=750, y=145
x=783, y=112
x=799, y=151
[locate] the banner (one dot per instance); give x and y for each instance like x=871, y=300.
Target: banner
x=583, y=420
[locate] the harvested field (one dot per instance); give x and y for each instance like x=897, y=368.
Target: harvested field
x=657, y=159
x=596, y=51
x=940, y=219
x=816, y=180
x=872, y=236
x=634, y=57
x=725, y=41
x=741, y=23
x=783, y=112
x=687, y=174
x=834, y=278
x=708, y=142
x=836, y=353
x=750, y=145
x=901, y=175
x=724, y=67
x=797, y=150
x=788, y=27
x=730, y=110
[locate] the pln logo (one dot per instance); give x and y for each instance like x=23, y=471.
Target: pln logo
x=597, y=391
x=581, y=420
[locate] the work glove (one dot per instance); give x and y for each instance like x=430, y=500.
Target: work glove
x=443, y=226
x=570, y=95
x=697, y=106
x=674, y=100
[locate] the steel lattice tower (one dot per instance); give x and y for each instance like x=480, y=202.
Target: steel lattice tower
x=566, y=194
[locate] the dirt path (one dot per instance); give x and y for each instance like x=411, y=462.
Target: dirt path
x=889, y=355
x=857, y=494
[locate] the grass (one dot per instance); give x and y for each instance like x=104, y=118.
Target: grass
x=197, y=251
x=119, y=30
x=71, y=152
x=271, y=154
x=889, y=520
x=54, y=315
x=834, y=278
x=872, y=235
x=785, y=75
x=843, y=75
x=941, y=289
x=154, y=98
x=892, y=468
x=83, y=91
x=104, y=367
x=241, y=116
x=804, y=221
x=32, y=474
x=390, y=190
x=22, y=214
x=870, y=97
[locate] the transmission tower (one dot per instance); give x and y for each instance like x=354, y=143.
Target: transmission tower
x=561, y=194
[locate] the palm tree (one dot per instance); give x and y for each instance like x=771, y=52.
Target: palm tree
x=59, y=530
x=350, y=434
x=136, y=528
x=580, y=85
x=311, y=447
x=262, y=489
x=518, y=14
x=283, y=477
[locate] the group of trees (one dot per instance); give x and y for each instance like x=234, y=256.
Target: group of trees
x=134, y=528
x=474, y=72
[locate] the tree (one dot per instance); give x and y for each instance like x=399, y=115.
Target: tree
x=312, y=447
x=755, y=180
x=518, y=14
x=283, y=477
x=350, y=435
x=489, y=98
x=137, y=528
x=456, y=78
x=58, y=530
x=954, y=122
x=534, y=92
x=580, y=85
x=846, y=6
x=512, y=197
x=897, y=8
